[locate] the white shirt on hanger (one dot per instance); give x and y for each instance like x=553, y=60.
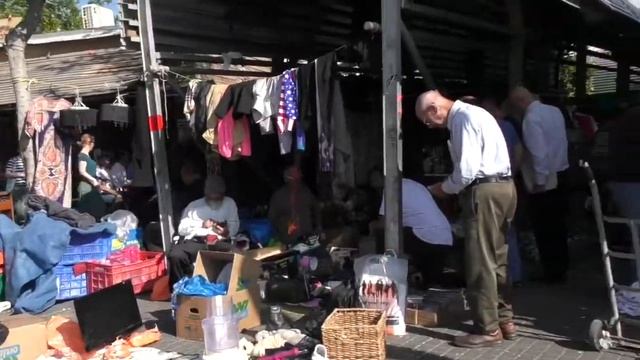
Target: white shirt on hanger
x=421, y=213
x=477, y=146
x=545, y=136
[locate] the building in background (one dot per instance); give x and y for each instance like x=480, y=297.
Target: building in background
x=95, y=16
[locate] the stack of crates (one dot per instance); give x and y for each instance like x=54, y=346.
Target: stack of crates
x=82, y=248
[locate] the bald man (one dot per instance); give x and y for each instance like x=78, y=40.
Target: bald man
x=545, y=138
x=482, y=177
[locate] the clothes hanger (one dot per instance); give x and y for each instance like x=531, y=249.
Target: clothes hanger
x=119, y=101
x=78, y=104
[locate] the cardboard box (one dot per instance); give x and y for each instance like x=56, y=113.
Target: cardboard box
x=27, y=338
x=243, y=291
x=421, y=317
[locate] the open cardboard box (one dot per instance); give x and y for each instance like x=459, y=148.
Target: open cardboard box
x=243, y=291
x=27, y=338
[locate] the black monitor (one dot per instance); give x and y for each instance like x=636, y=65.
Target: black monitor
x=107, y=314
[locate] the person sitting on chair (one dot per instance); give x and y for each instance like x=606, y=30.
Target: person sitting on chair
x=206, y=221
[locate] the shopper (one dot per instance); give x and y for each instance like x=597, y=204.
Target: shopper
x=514, y=145
x=90, y=200
x=293, y=209
x=208, y=221
x=545, y=138
x=15, y=174
x=118, y=173
x=482, y=176
x=430, y=238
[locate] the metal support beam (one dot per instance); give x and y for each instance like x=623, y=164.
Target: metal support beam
x=516, y=43
x=156, y=122
x=413, y=51
x=581, y=71
x=392, y=111
x=622, y=77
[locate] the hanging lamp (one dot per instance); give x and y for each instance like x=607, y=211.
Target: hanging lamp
x=116, y=113
x=79, y=116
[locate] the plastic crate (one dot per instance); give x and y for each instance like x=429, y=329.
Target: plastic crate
x=142, y=274
x=87, y=247
x=69, y=285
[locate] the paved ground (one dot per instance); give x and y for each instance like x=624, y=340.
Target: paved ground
x=553, y=323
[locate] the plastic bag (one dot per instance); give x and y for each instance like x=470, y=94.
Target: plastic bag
x=196, y=286
x=199, y=286
x=124, y=220
x=64, y=336
x=382, y=285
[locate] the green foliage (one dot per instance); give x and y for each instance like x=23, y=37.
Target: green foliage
x=101, y=2
x=58, y=15
x=567, y=75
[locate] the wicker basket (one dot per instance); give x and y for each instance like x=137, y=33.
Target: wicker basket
x=355, y=334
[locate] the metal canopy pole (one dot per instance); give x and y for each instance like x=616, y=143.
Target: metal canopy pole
x=156, y=121
x=392, y=113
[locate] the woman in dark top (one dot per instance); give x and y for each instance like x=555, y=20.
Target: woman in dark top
x=90, y=200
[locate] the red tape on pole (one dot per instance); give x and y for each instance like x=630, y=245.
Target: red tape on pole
x=156, y=123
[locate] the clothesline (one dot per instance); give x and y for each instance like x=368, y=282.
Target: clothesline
x=115, y=86
x=188, y=78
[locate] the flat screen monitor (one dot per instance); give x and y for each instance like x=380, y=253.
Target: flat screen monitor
x=107, y=314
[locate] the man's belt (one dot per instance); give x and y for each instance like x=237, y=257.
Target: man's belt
x=490, y=180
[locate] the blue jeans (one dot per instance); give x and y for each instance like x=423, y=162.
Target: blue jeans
x=514, y=261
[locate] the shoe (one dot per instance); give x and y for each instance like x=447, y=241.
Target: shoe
x=477, y=341
x=319, y=353
x=509, y=330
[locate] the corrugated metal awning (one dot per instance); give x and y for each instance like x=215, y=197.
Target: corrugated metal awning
x=93, y=72
x=630, y=8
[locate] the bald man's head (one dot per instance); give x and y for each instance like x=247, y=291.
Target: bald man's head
x=432, y=109
x=521, y=98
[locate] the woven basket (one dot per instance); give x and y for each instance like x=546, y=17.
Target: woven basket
x=355, y=334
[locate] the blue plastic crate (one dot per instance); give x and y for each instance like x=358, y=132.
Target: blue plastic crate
x=69, y=286
x=87, y=247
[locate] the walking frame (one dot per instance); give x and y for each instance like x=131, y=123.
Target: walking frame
x=605, y=334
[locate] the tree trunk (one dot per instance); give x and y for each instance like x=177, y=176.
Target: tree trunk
x=16, y=43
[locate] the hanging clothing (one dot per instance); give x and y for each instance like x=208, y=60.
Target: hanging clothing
x=238, y=97
x=234, y=139
x=189, y=101
x=306, y=94
x=301, y=139
x=213, y=99
x=287, y=110
x=52, y=178
x=324, y=65
x=216, y=93
x=267, y=99
x=199, y=116
x=335, y=146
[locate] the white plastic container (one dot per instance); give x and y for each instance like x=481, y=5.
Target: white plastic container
x=220, y=333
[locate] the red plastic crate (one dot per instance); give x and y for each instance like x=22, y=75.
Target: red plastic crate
x=142, y=273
